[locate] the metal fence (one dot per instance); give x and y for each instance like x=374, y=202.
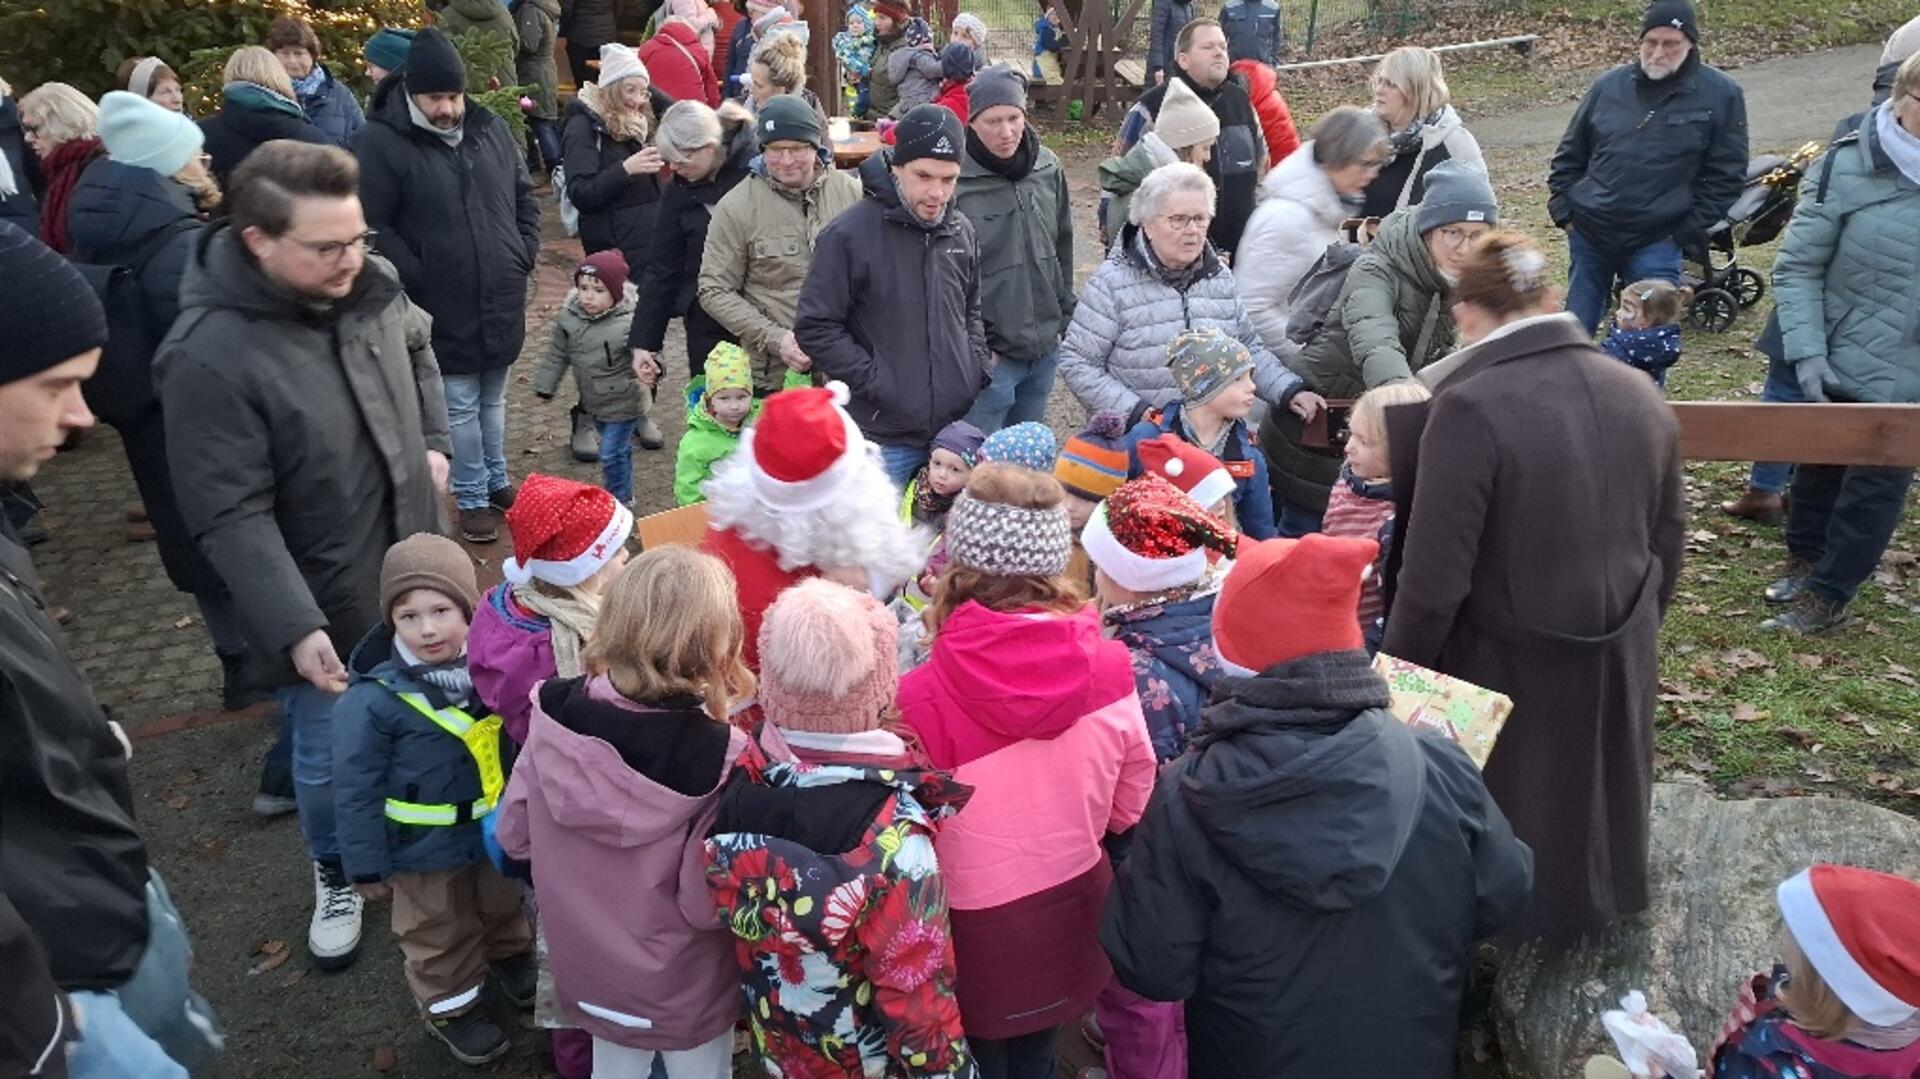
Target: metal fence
x=1304, y=23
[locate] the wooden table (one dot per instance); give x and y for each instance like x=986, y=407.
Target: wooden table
x=859, y=146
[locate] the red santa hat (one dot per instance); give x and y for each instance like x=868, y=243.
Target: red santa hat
x=563, y=532
x=1861, y=931
x=804, y=449
x=1188, y=467
x=1288, y=598
x=1148, y=536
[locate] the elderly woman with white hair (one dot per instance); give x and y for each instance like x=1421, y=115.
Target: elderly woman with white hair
x=1410, y=96
x=1162, y=279
x=61, y=126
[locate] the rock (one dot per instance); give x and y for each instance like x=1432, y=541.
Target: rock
x=1713, y=922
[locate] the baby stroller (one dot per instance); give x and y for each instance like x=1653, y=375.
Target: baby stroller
x=1723, y=287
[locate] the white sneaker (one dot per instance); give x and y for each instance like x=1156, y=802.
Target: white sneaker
x=333, y=937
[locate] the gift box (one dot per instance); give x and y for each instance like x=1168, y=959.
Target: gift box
x=1463, y=713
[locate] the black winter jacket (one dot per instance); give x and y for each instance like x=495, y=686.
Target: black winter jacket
x=249, y=116
x=35, y=1019
x=891, y=307
x=297, y=440
x=616, y=210
x=19, y=207
x=672, y=272
x=588, y=24
x=1644, y=161
x=459, y=222
x=1310, y=878
x=71, y=859
x=1239, y=158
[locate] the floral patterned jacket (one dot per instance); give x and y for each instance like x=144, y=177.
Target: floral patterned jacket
x=1174, y=664
x=847, y=957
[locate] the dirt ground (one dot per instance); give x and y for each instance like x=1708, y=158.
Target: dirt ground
x=242, y=882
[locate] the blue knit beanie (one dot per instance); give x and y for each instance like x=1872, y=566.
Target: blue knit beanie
x=140, y=133
x=1029, y=445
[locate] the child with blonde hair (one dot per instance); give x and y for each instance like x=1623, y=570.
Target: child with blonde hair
x=1361, y=503
x=609, y=801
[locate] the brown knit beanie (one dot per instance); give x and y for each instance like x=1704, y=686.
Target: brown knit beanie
x=424, y=560
x=828, y=659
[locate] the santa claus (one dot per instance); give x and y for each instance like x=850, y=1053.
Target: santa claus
x=804, y=495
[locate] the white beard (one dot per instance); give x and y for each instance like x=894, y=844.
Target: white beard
x=860, y=528
x=1658, y=72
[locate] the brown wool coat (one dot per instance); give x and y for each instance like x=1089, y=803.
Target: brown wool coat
x=1543, y=534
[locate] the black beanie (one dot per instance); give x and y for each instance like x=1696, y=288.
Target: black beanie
x=788, y=118
x=1674, y=15
x=48, y=313
x=434, y=66
x=927, y=131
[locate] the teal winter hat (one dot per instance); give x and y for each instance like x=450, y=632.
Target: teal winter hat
x=140, y=133
x=388, y=48
x=1029, y=445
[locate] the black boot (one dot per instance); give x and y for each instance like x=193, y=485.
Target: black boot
x=470, y=1037
x=519, y=979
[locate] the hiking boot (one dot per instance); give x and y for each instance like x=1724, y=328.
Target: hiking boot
x=518, y=978
x=585, y=443
x=501, y=498
x=480, y=525
x=1764, y=507
x=470, y=1037
x=1792, y=581
x=273, y=805
x=1811, y=614
x=333, y=937
x=647, y=433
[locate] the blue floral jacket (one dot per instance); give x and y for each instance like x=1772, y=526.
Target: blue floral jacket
x=1174, y=665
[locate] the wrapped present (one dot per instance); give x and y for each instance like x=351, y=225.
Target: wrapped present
x=1460, y=711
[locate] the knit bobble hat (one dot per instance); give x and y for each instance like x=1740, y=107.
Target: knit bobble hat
x=927, y=131
x=1188, y=467
x=829, y=659
x=1093, y=464
x=618, y=62
x=1456, y=193
x=610, y=266
x=434, y=65
x=728, y=369
x=388, y=48
x=1288, y=598
x=1001, y=84
x=425, y=560
x=1674, y=15
x=961, y=439
x=140, y=133
x=48, y=312
x=1205, y=362
x=563, y=531
x=1861, y=930
x=1029, y=445
x=1149, y=536
x=788, y=118
x=895, y=10
x=1184, y=119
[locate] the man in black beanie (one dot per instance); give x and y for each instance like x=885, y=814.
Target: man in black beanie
x=891, y=305
x=1653, y=159
x=446, y=189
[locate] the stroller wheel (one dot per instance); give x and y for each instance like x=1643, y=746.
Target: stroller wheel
x=1747, y=286
x=1714, y=310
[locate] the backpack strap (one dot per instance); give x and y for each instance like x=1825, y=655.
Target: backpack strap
x=1826, y=166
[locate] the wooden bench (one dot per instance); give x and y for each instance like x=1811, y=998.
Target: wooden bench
x=1520, y=43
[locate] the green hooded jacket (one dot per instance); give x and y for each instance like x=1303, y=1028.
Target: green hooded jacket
x=706, y=442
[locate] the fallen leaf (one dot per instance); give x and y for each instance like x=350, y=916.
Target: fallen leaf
x=1799, y=736
x=384, y=1058
x=273, y=947
x=1810, y=661
x=177, y=801
x=1706, y=670
x=183, y=621
x=272, y=961
x=287, y=981
x=1745, y=659
x=1745, y=712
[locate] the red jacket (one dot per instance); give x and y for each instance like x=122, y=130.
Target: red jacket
x=759, y=579
x=680, y=65
x=953, y=94
x=1276, y=120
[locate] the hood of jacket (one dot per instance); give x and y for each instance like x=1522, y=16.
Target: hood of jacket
x=1443, y=125
x=679, y=30
x=1127, y=248
x=876, y=180
x=375, y=659
x=1169, y=631
x=220, y=276
x=1302, y=780
x=246, y=97
x=1056, y=678
x=599, y=754
x=116, y=207
x=1300, y=179
x=551, y=7
x=629, y=295
x=699, y=419
x=1401, y=244
x=1122, y=175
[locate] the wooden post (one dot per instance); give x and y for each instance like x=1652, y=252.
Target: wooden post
x=824, y=19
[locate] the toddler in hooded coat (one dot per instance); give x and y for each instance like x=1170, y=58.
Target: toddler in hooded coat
x=590, y=340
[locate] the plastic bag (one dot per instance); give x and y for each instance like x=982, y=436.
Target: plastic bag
x=1647, y=1046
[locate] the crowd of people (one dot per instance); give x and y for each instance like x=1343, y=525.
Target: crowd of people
x=950, y=735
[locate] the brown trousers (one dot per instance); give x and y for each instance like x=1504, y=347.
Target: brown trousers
x=452, y=923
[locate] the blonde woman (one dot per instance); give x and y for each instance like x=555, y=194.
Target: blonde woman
x=610, y=798
x=1410, y=96
x=256, y=106
x=778, y=66
x=62, y=128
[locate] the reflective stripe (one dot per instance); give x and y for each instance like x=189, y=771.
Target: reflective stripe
x=481, y=737
x=454, y=1003
x=440, y=815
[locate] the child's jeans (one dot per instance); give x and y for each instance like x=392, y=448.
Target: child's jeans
x=713, y=1060
x=616, y=457
x=452, y=924
x=1146, y=1039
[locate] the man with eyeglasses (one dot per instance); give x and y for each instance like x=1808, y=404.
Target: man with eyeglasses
x=307, y=433
x=1654, y=157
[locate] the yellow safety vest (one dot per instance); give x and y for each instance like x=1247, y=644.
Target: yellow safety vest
x=482, y=739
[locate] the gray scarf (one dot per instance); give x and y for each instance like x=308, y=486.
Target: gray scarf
x=1408, y=141
x=451, y=138
x=1181, y=279
x=451, y=678
x=1901, y=145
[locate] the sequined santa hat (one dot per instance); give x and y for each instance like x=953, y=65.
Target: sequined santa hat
x=563, y=532
x=1188, y=467
x=1148, y=536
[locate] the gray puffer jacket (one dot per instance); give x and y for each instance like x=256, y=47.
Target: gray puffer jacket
x=1847, y=279
x=1115, y=352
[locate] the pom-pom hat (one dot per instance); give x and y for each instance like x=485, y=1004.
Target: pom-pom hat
x=1188, y=467
x=1861, y=931
x=804, y=449
x=1287, y=598
x=1093, y=464
x=1149, y=536
x=563, y=532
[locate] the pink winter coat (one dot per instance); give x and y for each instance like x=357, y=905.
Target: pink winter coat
x=610, y=800
x=509, y=651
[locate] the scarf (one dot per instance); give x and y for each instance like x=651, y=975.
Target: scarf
x=451, y=678
x=451, y=138
x=1408, y=141
x=249, y=95
x=1012, y=169
x=1887, y=1039
x=1901, y=145
x=929, y=505
x=309, y=88
x=572, y=619
x=62, y=169
x=1181, y=279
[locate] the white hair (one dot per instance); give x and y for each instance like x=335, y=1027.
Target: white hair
x=1164, y=181
x=861, y=527
x=686, y=126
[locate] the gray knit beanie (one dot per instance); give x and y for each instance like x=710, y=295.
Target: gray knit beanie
x=1008, y=541
x=1455, y=193
x=1001, y=84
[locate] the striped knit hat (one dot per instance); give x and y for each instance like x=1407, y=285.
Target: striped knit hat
x=1008, y=541
x=1093, y=463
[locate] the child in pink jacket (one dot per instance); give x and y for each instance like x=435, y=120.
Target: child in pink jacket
x=610, y=801
x=1027, y=703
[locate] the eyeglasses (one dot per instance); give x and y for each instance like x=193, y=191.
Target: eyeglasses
x=1666, y=46
x=30, y=129
x=333, y=250
x=1183, y=222
x=1452, y=237
x=790, y=153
